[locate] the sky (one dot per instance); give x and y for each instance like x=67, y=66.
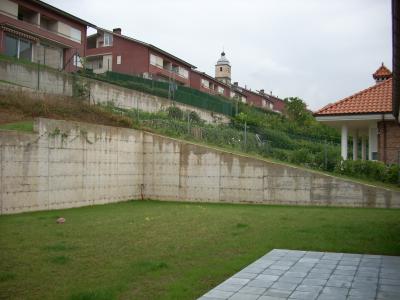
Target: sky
x=320, y=51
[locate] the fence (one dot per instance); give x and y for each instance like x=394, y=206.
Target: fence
x=168, y=90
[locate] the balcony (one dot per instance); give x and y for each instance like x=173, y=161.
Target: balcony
x=30, y=21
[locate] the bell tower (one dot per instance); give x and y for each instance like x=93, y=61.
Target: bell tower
x=223, y=69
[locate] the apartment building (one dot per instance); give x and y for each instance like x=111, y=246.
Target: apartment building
x=111, y=51
x=259, y=99
x=38, y=32
x=208, y=84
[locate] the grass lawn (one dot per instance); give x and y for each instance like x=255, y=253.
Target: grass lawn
x=168, y=250
x=19, y=126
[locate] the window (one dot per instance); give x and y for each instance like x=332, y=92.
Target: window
x=205, y=83
x=11, y=46
x=156, y=60
x=220, y=68
x=77, y=61
x=118, y=59
x=18, y=48
x=25, y=50
x=183, y=72
x=108, y=40
x=220, y=90
x=76, y=34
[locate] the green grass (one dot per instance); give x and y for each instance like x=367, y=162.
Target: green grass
x=19, y=126
x=167, y=250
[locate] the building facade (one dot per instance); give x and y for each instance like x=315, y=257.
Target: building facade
x=38, y=32
x=112, y=51
x=368, y=117
x=208, y=84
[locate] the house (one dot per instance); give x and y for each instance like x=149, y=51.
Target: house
x=112, y=51
x=208, y=84
x=258, y=98
x=38, y=32
x=367, y=116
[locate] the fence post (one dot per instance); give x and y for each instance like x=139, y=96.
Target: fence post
x=245, y=134
x=38, y=75
x=237, y=106
x=188, y=122
x=325, y=156
x=137, y=109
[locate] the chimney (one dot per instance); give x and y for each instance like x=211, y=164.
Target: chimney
x=236, y=83
x=117, y=31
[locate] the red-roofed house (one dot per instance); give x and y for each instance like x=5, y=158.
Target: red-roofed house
x=367, y=115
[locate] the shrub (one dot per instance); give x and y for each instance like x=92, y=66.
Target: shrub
x=373, y=170
x=175, y=112
x=301, y=157
x=195, y=118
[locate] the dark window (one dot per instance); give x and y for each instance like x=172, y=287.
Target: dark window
x=11, y=46
x=18, y=48
x=220, y=68
x=25, y=50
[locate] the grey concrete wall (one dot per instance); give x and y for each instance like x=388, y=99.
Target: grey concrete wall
x=66, y=164
x=60, y=83
x=69, y=164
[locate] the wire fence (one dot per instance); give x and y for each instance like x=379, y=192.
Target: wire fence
x=241, y=137
x=170, y=90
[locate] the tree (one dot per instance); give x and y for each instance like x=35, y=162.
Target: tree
x=296, y=110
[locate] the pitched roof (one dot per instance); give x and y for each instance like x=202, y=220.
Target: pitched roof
x=63, y=13
x=382, y=72
x=145, y=44
x=375, y=99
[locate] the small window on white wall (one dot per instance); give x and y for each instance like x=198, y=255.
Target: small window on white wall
x=119, y=59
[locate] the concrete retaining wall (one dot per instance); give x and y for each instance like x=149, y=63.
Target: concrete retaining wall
x=69, y=164
x=51, y=81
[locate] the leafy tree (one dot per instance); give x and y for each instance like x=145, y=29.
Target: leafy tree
x=296, y=110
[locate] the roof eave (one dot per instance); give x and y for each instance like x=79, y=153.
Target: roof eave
x=63, y=13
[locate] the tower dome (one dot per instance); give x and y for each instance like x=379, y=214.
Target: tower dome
x=223, y=60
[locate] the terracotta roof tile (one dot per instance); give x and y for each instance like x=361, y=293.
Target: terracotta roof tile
x=375, y=99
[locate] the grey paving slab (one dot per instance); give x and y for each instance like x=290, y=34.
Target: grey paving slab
x=291, y=274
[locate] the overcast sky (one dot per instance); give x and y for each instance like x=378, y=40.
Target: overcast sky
x=318, y=50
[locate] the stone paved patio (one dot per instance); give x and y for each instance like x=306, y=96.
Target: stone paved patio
x=289, y=274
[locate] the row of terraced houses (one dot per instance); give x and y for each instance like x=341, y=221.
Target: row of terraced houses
x=38, y=32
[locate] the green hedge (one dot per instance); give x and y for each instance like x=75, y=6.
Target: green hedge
x=373, y=170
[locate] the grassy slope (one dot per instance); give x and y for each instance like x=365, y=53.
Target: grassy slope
x=28, y=127
x=166, y=250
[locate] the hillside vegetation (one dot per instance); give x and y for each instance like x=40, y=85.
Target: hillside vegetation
x=294, y=138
